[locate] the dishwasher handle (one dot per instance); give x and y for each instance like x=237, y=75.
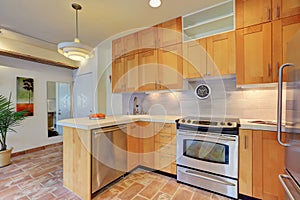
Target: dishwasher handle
x=109, y=129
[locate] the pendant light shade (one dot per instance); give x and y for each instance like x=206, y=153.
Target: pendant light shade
x=75, y=50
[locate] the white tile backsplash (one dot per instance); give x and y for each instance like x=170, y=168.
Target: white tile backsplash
x=225, y=100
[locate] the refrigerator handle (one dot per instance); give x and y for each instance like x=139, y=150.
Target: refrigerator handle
x=279, y=104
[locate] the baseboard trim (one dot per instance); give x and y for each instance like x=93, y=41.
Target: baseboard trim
x=35, y=149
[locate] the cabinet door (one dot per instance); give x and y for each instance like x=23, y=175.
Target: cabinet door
x=148, y=70
x=147, y=142
x=118, y=78
x=170, y=67
x=194, y=63
x=285, y=8
x=283, y=32
x=245, y=162
x=253, y=59
x=252, y=12
x=273, y=155
x=147, y=39
x=169, y=33
x=117, y=48
x=133, y=146
x=132, y=73
x=221, y=54
x=130, y=44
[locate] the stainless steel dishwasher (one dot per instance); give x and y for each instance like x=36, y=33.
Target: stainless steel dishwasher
x=109, y=155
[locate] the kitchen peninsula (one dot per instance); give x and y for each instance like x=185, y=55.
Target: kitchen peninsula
x=77, y=145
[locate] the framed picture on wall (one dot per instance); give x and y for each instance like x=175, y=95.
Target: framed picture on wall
x=25, y=94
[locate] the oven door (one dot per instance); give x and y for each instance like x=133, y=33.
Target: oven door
x=213, y=153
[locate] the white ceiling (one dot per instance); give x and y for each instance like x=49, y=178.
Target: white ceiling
x=54, y=20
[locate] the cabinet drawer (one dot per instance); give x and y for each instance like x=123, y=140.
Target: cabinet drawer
x=165, y=128
x=164, y=137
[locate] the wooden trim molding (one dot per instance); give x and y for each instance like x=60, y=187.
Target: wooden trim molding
x=27, y=57
x=35, y=149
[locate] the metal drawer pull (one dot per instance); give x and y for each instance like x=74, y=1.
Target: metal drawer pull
x=199, y=175
x=245, y=142
x=209, y=136
x=281, y=177
x=114, y=128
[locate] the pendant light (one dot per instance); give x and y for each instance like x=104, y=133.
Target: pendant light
x=75, y=50
x=154, y=3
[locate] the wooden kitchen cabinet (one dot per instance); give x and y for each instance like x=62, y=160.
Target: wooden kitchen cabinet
x=285, y=8
x=252, y=12
x=133, y=146
x=221, y=54
x=253, y=54
x=147, y=138
x=118, y=75
x=165, y=147
x=132, y=72
x=147, y=39
x=283, y=32
x=126, y=45
x=194, y=59
x=245, y=162
x=170, y=67
x=170, y=32
x=148, y=70
x=258, y=176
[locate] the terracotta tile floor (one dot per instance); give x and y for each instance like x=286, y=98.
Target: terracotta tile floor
x=38, y=175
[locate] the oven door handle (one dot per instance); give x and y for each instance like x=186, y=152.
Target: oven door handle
x=285, y=187
x=200, y=175
x=208, y=136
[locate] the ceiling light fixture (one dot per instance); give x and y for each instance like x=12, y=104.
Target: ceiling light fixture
x=75, y=50
x=154, y=3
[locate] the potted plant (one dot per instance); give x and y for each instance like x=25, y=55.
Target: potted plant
x=9, y=119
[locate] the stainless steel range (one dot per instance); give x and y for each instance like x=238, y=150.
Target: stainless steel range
x=207, y=154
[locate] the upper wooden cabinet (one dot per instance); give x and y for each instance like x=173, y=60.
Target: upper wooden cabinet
x=253, y=57
x=118, y=78
x=283, y=32
x=252, y=12
x=210, y=56
x=221, y=54
x=148, y=70
x=132, y=72
x=194, y=59
x=147, y=39
x=170, y=32
x=285, y=8
x=262, y=49
x=170, y=67
x=126, y=45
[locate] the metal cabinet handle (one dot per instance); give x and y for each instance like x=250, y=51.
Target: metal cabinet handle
x=197, y=174
x=279, y=103
x=286, y=189
x=277, y=11
x=269, y=70
x=209, y=136
x=245, y=142
x=269, y=14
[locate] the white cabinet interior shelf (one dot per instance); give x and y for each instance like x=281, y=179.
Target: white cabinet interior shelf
x=209, y=21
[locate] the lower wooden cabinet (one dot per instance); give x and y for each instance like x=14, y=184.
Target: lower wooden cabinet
x=261, y=161
x=151, y=145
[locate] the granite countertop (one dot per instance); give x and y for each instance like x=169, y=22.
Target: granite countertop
x=88, y=124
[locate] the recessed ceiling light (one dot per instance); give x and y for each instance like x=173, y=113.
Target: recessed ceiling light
x=154, y=3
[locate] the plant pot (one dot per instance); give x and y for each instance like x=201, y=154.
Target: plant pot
x=5, y=157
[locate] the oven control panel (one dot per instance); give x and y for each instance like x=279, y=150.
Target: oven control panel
x=204, y=122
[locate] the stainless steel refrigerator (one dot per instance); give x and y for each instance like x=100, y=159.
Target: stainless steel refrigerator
x=290, y=181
